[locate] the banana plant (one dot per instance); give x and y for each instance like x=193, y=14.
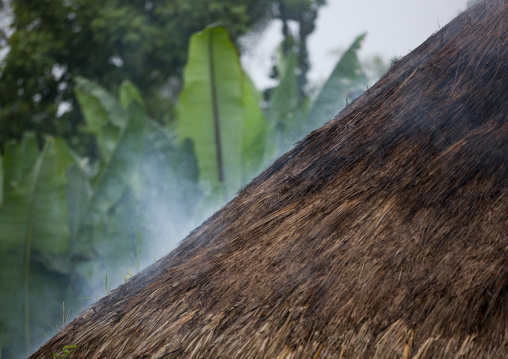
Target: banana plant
x=34, y=224
x=285, y=111
x=1, y=181
x=104, y=116
x=219, y=112
x=345, y=83
x=119, y=131
x=119, y=127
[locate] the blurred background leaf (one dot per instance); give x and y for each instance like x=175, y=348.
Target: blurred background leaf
x=34, y=224
x=347, y=81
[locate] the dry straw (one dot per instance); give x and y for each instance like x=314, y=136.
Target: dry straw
x=383, y=234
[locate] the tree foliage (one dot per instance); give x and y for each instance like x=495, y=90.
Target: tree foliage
x=106, y=42
x=304, y=12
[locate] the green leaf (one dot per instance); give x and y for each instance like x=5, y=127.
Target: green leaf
x=108, y=187
x=285, y=112
x=19, y=159
x=255, y=131
x=114, y=177
x=104, y=116
x=215, y=106
x=128, y=93
x=12, y=270
x=346, y=77
x=26, y=213
x=33, y=220
x=284, y=99
x=211, y=109
x=78, y=194
x=1, y=181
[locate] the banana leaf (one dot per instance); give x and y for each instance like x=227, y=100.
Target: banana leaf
x=346, y=79
x=104, y=116
x=128, y=93
x=19, y=158
x=107, y=189
x=119, y=127
x=78, y=194
x=26, y=211
x=284, y=99
x=89, y=218
x=115, y=175
x=34, y=220
x=255, y=131
x=214, y=108
x=1, y=181
x=284, y=112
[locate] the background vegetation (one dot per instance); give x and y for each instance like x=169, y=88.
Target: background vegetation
x=146, y=145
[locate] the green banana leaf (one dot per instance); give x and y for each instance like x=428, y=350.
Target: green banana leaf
x=284, y=112
x=126, y=217
x=104, y=116
x=284, y=99
x=1, y=181
x=31, y=226
x=115, y=175
x=110, y=184
x=347, y=78
x=25, y=322
x=128, y=93
x=26, y=211
x=90, y=217
x=19, y=159
x=255, y=131
x=213, y=111
x=119, y=128
x=78, y=194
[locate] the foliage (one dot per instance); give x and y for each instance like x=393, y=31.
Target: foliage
x=347, y=80
x=66, y=351
x=223, y=128
x=1, y=181
x=304, y=12
x=285, y=111
x=51, y=201
x=31, y=232
x=107, y=42
x=67, y=221
x=2, y=341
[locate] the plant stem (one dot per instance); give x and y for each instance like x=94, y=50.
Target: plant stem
x=215, y=105
x=138, y=247
x=2, y=340
x=28, y=252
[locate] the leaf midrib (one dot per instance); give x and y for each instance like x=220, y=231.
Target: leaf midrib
x=215, y=107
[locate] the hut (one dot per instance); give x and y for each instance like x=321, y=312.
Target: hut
x=383, y=234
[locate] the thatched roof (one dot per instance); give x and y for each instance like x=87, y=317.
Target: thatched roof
x=382, y=234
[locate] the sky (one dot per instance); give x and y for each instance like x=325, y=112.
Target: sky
x=394, y=28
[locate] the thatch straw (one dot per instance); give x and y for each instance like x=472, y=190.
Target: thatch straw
x=384, y=234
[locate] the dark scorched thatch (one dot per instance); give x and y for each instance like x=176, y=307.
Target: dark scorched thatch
x=384, y=234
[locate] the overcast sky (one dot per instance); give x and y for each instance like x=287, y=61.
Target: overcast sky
x=394, y=28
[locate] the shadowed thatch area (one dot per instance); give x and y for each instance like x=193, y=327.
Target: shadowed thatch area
x=383, y=234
